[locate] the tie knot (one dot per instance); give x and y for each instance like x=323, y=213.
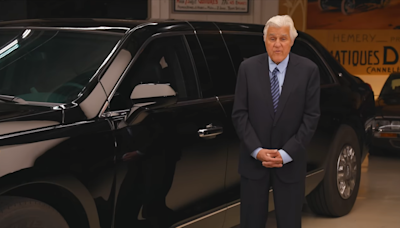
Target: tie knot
x=275, y=70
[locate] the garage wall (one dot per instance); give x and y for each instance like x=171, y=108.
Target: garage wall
x=259, y=12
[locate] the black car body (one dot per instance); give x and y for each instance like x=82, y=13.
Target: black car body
x=114, y=123
x=386, y=125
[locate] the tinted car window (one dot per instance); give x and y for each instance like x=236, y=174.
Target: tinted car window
x=50, y=66
x=164, y=60
x=391, y=86
x=218, y=62
x=303, y=49
x=243, y=46
x=203, y=73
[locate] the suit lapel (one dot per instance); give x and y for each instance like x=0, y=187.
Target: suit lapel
x=266, y=84
x=288, y=85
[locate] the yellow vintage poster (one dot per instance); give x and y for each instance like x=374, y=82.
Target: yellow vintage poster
x=363, y=35
x=363, y=52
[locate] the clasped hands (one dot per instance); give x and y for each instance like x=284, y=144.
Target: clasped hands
x=270, y=158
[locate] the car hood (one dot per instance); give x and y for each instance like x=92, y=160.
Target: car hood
x=17, y=117
x=388, y=105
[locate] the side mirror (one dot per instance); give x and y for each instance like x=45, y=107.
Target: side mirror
x=153, y=95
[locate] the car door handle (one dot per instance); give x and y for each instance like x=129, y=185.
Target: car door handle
x=210, y=132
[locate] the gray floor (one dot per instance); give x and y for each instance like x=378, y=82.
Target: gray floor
x=378, y=202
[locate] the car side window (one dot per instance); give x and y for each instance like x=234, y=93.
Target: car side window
x=165, y=61
x=303, y=49
x=243, y=46
x=216, y=73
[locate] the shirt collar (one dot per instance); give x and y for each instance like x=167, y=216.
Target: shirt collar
x=282, y=65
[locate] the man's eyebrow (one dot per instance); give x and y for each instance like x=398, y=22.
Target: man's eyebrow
x=273, y=34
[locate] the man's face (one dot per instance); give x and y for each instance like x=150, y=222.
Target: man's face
x=278, y=43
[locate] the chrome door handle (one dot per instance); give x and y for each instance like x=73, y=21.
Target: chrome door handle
x=210, y=132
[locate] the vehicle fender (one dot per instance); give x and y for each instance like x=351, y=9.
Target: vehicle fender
x=70, y=184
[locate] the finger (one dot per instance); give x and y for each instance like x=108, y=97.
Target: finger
x=274, y=152
x=274, y=160
x=271, y=165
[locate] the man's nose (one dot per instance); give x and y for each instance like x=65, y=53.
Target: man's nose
x=277, y=43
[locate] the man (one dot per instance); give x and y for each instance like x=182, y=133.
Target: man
x=276, y=112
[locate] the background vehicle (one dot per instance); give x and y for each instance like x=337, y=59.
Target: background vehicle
x=127, y=123
x=386, y=125
x=348, y=6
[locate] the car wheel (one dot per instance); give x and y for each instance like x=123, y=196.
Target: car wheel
x=23, y=213
x=337, y=193
x=323, y=5
x=348, y=6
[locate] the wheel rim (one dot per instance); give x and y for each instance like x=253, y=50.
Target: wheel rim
x=346, y=172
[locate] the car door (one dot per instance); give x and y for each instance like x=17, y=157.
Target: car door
x=171, y=161
x=221, y=84
x=240, y=46
x=332, y=99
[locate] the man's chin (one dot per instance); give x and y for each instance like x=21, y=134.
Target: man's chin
x=277, y=60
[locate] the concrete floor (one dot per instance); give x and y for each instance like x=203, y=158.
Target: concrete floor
x=378, y=201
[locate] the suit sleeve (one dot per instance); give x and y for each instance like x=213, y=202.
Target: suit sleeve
x=240, y=115
x=310, y=117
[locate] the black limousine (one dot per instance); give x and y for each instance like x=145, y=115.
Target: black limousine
x=119, y=123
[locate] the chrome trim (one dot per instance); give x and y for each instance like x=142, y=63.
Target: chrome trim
x=210, y=131
x=120, y=113
x=104, y=108
x=346, y=172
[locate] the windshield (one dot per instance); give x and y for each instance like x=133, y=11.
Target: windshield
x=392, y=85
x=49, y=65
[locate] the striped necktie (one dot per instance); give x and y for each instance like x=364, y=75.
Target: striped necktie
x=275, y=88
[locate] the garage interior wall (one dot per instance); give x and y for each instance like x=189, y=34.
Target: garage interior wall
x=259, y=12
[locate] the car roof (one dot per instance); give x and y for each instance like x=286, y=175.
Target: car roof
x=122, y=25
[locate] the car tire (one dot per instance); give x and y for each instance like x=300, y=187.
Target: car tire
x=24, y=212
x=337, y=193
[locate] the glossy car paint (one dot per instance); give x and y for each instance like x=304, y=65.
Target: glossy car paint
x=85, y=155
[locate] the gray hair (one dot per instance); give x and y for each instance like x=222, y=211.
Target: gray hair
x=281, y=21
